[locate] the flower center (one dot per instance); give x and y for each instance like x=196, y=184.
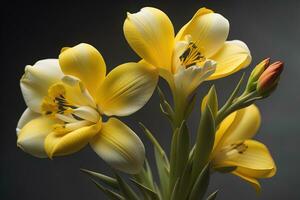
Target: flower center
x=230, y=151
x=192, y=55
x=59, y=105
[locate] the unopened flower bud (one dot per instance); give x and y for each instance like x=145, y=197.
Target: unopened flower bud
x=256, y=73
x=268, y=80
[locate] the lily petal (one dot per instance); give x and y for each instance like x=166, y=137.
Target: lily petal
x=119, y=146
x=150, y=34
x=26, y=117
x=84, y=62
x=232, y=57
x=245, y=125
x=127, y=88
x=254, y=161
x=32, y=135
x=252, y=181
x=36, y=81
x=208, y=29
x=57, y=144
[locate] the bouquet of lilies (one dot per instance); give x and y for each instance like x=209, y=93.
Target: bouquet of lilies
x=73, y=102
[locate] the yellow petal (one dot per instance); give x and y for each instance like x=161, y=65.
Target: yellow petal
x=86, y=63
x=127, y=88
x=150, y=34
x=208, y=30
x=238, y=126
x=232, y=57
x=32, y=135
x=252, y=181
x=244, y=126
x=119, y=146
x=36, y=81
x=26, y=117
x=253, y=160
x=58, y=144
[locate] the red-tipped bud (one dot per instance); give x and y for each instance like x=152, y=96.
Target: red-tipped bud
x=256, y=73
x=269, y=78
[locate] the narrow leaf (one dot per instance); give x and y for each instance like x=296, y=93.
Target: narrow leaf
x=173, y=156
x=109, y=193
x=126, y=189
x=145, y=189
x=201, y=184
x=190, y=106
x=163, y=172
x=105, y=179
x=204, y=141
x=213, y=195
x=183, y=149
x=175, y=190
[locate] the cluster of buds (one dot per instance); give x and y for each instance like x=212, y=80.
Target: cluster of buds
x=264, y=77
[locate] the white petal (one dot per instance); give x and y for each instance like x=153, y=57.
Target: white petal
x=36, y=81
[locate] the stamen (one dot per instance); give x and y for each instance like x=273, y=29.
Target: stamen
x=56, y=102
x=191, y=56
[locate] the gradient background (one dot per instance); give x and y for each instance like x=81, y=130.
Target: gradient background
x=33, y=31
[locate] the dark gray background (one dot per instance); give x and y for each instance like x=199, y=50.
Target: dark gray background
x=33, y=31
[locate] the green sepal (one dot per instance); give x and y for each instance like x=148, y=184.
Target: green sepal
x=213, y=195
x=201, y=184
x=111, y=182
x=165, y=107
x=144, y=189
x=109, y=193
x=227, y=169
x=126, y=190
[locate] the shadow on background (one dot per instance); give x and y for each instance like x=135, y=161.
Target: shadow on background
x=30, y=32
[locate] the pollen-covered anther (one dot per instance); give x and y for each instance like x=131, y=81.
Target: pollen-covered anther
x=55, y=102
x=192, y=55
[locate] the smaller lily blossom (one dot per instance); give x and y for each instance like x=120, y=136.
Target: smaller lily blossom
x=198, y=52
x=67, y=98
x=234, y=148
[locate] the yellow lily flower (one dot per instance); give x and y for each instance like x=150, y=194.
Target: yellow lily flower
x=67, y=98
x=234, y=147
x=198, y=52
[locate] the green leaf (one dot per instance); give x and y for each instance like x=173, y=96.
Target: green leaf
x=204, y=141
x=145, y=189
x=126, y=189
x=175, y=190
x=109, y=193
x=162, y=163
x=152, y=139
x=212, y=100
x=200, y=186
x=105, y=179
x=183, y=149
x=185, y=180
x=190, y=106
x=173, y=156
x=213, y=195
x=163, y=172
